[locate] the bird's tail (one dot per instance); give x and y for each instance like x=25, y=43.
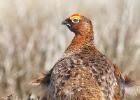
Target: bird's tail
x=132, y=87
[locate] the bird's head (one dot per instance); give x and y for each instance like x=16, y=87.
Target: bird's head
x=78, y=24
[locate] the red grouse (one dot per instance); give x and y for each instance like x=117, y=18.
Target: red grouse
x=84, y=73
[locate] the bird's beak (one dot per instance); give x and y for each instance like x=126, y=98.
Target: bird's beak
x=66, y=23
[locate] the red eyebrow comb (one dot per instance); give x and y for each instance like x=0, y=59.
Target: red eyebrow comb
x=76, y=14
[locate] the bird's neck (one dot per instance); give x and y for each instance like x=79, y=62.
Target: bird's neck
x=80, y=41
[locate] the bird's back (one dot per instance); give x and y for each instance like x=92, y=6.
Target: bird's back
x=86, y=75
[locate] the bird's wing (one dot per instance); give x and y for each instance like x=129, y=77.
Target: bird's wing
x=42, y=79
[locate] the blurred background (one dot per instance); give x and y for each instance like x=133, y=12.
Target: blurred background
x=32, y=37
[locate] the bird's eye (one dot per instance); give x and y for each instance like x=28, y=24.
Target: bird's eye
x=75, y=20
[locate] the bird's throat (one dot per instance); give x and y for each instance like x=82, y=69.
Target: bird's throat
x=79, y=41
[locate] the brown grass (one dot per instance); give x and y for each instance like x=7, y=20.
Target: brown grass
x=32, y=38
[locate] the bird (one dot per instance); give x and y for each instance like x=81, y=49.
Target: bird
x=83, y=72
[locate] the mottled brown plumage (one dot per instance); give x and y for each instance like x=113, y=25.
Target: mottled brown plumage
x=83, y=73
